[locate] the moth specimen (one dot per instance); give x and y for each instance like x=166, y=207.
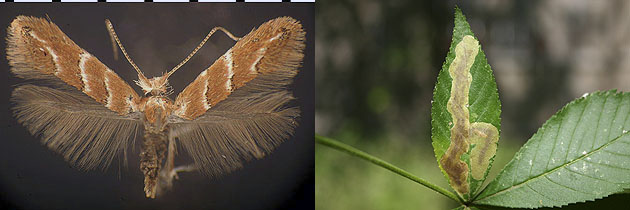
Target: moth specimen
x=236, y=110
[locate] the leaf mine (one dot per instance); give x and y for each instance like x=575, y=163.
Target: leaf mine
x=459, y=70
x=484, y=136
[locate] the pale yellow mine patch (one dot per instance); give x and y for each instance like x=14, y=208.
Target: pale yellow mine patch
x=459, y=70
x=484, y=136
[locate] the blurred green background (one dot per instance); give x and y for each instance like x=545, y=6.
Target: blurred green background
x=377, y=62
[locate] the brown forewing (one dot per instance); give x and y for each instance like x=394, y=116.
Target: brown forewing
x=239, y=108
x=38, y=49
x=276, y=45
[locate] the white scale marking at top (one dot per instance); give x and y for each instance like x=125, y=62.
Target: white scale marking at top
x=50, y=50
x=110, y=96
x=84, y=76
x=230, y=74
x=275, y=37
x=204, y=99
x=36, y=37
x=261, y=53
x=55, y=59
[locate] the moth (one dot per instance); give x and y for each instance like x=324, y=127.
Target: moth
x=237, y=109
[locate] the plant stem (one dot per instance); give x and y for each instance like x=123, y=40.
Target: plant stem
x=356, y=152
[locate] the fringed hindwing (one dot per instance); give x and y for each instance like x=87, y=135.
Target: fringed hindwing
x=86, y=133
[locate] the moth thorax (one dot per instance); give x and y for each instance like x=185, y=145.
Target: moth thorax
x=156, y=86
x=156, y=110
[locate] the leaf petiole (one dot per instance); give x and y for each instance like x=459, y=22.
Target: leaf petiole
x=356, y=152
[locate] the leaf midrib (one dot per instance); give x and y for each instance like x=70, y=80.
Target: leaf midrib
x=554, y=169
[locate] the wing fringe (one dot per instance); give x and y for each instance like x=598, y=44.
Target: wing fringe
x=87, y=134
x=250, y=123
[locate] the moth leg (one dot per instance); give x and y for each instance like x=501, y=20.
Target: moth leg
x=169, y=172
x=185, y=168
x=166, y=172
x=168, y=175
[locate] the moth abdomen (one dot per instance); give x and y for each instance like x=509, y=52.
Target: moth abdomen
x=153, y=152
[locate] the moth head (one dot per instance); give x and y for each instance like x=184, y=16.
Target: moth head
x=155, y=86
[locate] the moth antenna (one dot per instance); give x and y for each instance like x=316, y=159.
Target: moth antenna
x=112, y=33
x=201, y=45
x=113, y=41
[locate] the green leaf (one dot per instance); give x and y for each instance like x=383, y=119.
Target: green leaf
x=484, y=110
x=615, y=201
x=581, y=153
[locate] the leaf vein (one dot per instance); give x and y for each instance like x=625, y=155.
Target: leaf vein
x=566, y=156
x=539, y=193
x=567, y=186
x=600, y=179
x=536, y=153
x=555, y=140
x=612, y=121
x=599, y=121
x=618, y=154
x=608, y=165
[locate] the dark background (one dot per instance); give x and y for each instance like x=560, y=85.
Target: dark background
x=157, y=37
x=378, y=60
